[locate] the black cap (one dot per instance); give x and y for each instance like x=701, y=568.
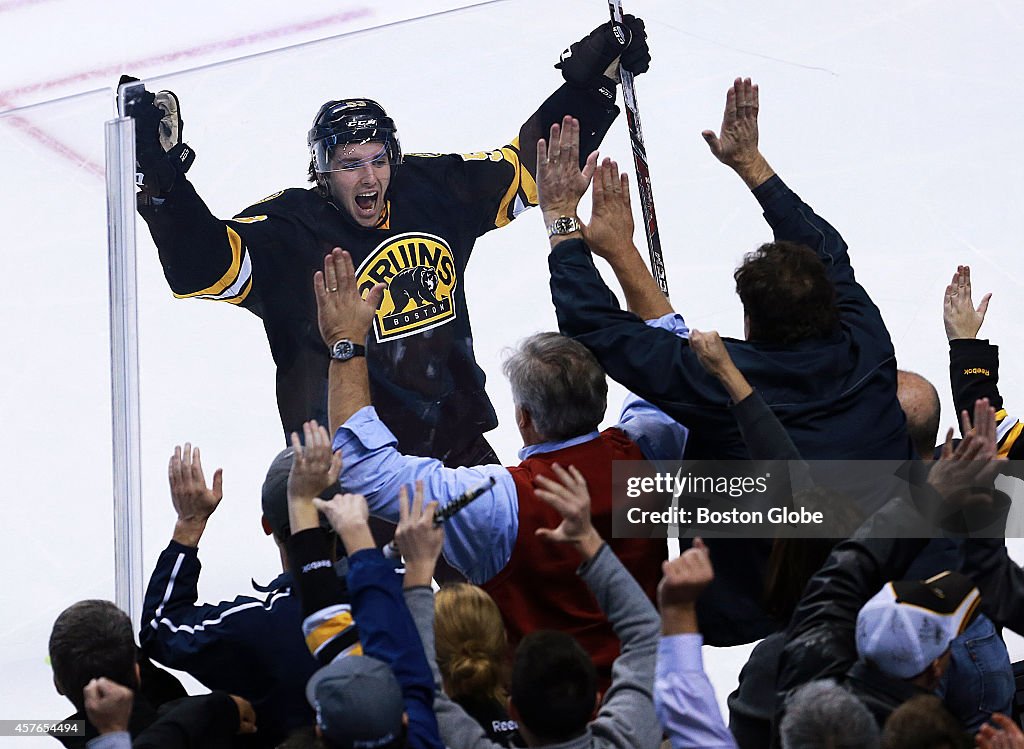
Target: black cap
x=275, y=495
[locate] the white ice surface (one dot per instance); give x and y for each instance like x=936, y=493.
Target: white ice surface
x=899, y=122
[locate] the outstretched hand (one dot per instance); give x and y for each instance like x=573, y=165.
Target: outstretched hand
x=569, y=496
x=193, y=500
x=683, y=580
x=685, y=577
x=348, y=514
x=959, y=316
x=417, y=537
x=315, y=467
x=610, y=231
x=560, y=181
x=341, y=311
x=973, y=464
x=736, y=144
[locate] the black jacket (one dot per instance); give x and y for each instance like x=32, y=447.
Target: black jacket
x=835, y=396
x=821, y=638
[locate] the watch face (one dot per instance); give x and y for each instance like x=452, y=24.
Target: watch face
x=563, y=225
x=342, y=350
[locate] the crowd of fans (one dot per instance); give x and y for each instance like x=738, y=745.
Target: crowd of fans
x=563, y=635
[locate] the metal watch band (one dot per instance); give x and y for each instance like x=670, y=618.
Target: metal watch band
x=563, y=225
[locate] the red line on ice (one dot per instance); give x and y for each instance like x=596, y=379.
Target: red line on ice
x=7, y=98
x=49, y=141
x=110, y=71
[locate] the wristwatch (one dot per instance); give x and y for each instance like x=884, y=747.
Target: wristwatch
x=563, y=225
x=344, y=350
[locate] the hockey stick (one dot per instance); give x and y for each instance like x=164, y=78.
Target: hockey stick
x=643, y=172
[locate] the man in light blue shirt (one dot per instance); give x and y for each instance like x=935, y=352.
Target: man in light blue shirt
x=683, y=696
x=560, y=393
x=479, y=540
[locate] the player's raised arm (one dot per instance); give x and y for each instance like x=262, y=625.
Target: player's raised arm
x=505, y=177
x=202, y=256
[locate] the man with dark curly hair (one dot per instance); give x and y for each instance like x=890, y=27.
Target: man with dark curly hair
x=816, y=347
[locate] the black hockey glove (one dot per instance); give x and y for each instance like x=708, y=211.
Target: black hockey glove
x=636, y=58
x=584, y=64
x=160, y=154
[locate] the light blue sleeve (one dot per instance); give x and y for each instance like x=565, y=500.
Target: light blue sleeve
x=478, y=540
x=684, y=698
x=115, y=740
x=658, y=436
x=673, y=322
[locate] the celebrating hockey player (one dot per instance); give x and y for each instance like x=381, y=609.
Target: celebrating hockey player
x=408, y=221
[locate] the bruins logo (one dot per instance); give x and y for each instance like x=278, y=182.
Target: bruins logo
x=419, y=271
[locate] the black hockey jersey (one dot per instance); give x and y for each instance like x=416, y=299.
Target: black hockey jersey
x=425, y=382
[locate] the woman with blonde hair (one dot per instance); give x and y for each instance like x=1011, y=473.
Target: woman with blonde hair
x=472, y=654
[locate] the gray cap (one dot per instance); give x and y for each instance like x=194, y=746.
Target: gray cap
x=275, y=495
x=358, y=702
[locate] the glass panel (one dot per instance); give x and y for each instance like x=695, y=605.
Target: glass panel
x=58, y=541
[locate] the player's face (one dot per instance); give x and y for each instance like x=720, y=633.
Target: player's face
x=361, y=181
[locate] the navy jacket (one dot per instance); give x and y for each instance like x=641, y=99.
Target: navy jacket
x=250, y=647
x=836, y=397
x=386, y=630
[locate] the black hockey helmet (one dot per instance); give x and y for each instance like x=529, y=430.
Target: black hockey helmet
x=352, y=121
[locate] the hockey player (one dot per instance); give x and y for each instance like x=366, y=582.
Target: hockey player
x=409, y=222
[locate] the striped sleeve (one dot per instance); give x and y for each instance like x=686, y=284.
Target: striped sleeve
x=331, y=632
x=974, y=374
x=236, y=283
x=203, y=639
x=204, y=257
x=516, y=189
x=327, y=624
x=495, y=186
x=1008, y=435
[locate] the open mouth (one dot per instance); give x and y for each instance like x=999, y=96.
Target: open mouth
x=366, y=200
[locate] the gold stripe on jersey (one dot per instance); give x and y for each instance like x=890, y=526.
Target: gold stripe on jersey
x=328, y=629
x=523, y=186
x=502, y=218
x=384, y=222
x=1004, y=423
x=236, y=283
x=1010, y=439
